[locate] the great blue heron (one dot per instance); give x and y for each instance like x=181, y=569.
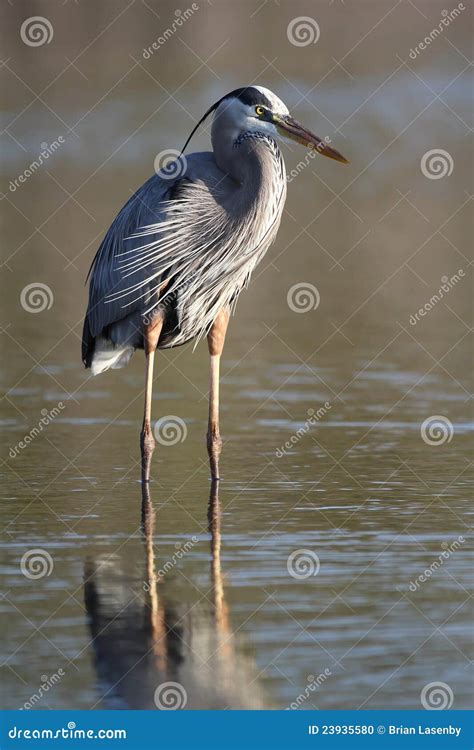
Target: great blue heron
x=177, y=256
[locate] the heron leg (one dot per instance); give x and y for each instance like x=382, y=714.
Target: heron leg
x=147, y=443
x=215, y=342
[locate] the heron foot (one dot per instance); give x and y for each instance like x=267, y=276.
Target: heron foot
x=147, y=446
x=214, y=447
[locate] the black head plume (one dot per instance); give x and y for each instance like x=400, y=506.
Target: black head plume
x=247, y=95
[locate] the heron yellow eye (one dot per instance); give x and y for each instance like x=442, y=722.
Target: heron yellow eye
x=260, y=111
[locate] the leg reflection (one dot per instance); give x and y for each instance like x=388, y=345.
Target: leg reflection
x=145, y=632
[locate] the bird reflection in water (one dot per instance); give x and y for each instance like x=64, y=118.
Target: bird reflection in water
x=152, y=652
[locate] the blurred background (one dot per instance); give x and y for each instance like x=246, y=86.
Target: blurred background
x=370, y=495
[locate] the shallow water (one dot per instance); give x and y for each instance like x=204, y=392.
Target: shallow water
x=306, y=581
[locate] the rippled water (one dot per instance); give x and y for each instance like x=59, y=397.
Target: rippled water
x=304, y=570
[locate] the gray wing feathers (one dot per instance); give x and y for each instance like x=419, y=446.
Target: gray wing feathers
x=106, y=276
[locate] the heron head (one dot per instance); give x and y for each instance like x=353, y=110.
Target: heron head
x=257, y=109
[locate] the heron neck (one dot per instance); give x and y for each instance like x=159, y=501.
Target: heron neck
x=257, y=167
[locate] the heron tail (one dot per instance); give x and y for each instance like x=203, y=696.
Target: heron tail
x=108, y=355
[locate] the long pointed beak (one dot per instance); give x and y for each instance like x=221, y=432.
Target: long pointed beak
x=293, y=129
